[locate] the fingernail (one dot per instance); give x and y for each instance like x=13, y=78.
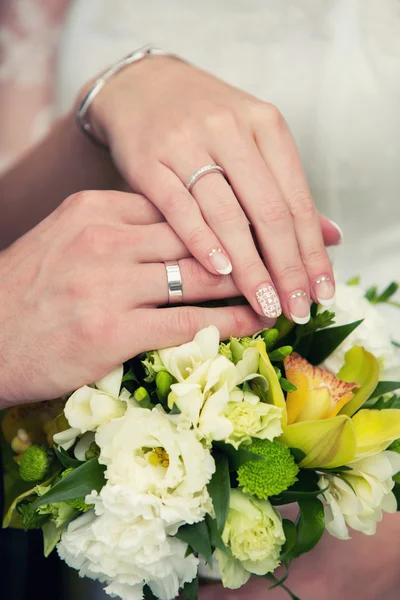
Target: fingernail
x=220, y=261
x=268, y=300
x=299, y=307
x=338, y=229
x=325, y=290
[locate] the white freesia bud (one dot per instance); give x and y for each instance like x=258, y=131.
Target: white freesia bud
x=254, y=534
x=357, y=498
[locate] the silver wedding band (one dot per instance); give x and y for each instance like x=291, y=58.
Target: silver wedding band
x=174, y=280
x=204, y=171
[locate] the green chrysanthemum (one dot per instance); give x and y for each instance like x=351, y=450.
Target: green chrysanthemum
x=271, y=476
x=34, y=464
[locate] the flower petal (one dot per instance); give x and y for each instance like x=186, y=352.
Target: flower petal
x=328, y=443
x=375, y=430
x=362, y=367
x=275, y=394
x=111, y=383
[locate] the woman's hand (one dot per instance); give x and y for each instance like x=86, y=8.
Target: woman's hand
x=163, y=120
x=78, y=295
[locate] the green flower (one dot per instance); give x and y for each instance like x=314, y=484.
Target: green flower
x=34, y=464
x=254, y=535
x=271, y=476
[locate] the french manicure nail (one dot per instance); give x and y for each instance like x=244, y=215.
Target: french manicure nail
x=338, y=229
x=220, y=261
x=325, y=290
x=299, y=307
x=268, y=300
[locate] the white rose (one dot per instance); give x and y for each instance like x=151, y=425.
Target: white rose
x=89, y=407
x=145, y=450
x=357, y=498
x=373, y=333
x=124, y=543
x=254, y=534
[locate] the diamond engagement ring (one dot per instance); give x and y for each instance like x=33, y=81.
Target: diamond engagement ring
x=203, y=171
x=174, y=280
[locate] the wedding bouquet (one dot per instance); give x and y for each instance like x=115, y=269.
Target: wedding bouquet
x=187, y=455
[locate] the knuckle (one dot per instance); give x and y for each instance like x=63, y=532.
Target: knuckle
x=239, y=324
x=316, y=256
x=251, y=268
x=274, y=116
x=229, y=214
x=223, y=117
x=175, y=201
x=302, y=206
x=292, y=271
x=274, y=211
x=83, y=198
x=197, y=236
x=187, y=320
x=98, y=239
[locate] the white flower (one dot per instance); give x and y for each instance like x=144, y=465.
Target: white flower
x=145, y=450
x=124, y=543
x=251, y=418
x=357, y=498
x=373, y=333
x=89, y=407
x=254, y=534
x=183, y=361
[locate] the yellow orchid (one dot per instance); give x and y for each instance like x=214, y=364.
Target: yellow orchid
x=319, y=417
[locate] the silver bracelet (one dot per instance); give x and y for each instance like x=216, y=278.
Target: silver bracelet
x=81, y=115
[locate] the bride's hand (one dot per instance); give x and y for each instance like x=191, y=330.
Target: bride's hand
x=79, y=291
x=163, y=120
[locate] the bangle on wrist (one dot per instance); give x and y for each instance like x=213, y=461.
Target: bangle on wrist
x=82, y=118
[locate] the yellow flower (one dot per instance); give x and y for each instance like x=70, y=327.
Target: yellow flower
x=318, y=417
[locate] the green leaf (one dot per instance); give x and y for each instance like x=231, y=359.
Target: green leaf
x=81, y=481
x=306, y=487
x=371, y=293
x=65, y=459
x=190, y=591
x=298, y=454
x=219, y=489
x=290, y=531
x=310, y=526
x=286, y=385
x=148, y=594
x=396, y=344
x=198, y=538
x=396, y=492
x=383, y=402
x=354, y=280
x=325, y=341
x=384, y=387
x=238, y=457
x=215, y=536
x=388, y=292
x=129, y=376
x=52, y=535
x=30, y=519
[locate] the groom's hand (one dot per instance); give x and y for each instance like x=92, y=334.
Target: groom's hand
x=78, y=295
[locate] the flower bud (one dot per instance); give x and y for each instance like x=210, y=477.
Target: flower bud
x=280, y=353
x=163, y=383
x=93, y=451
x=270, y=336
x=34, y=464
x=141, y=395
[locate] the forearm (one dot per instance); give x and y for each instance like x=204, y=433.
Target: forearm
x=62, y=164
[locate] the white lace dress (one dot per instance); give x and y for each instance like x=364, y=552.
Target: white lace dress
x=331, y=66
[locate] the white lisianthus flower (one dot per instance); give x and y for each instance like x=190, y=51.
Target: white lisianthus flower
x=125, y=543
x=254, y=534
x=373, y=333
x=89, y=407
x=357, y=498
x=145, y=450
